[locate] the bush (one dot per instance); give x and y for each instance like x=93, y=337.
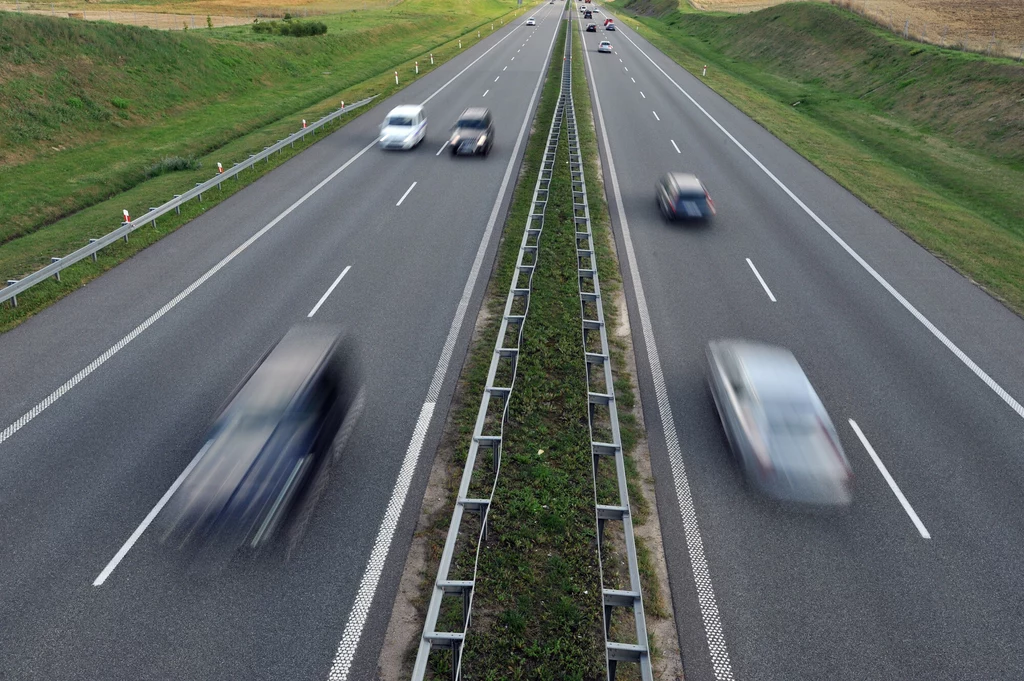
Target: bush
x=297, y=29
x=120, y=102
x=170, y=164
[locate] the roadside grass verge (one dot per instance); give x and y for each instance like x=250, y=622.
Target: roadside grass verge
x=932, y=139
x=33, y=251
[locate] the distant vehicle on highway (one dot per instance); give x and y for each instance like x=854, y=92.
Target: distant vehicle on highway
x=777, y=427
x=592, y=28
x=588, y=14
x=473, y=133
x=609, y=27
x=608, y=20
x=404, y=127
x=682, y=195
x=272, y=437
x=604, y=46
x=531, y=22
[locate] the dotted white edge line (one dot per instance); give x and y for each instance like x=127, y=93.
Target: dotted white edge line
x=701, y=574
x=346, y=652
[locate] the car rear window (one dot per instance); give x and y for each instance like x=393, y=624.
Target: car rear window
x=405, y=121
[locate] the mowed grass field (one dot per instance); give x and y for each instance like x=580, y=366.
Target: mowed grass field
x=973, y=23
x=89, y=109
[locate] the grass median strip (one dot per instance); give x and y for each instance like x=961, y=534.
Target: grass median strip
x=930, y=138
x=537, y=608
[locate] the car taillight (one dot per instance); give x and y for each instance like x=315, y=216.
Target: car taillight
x=711, y=204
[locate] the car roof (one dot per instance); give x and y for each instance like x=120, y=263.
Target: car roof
x=288, y=367
x=406, y=110
x=475, y=112
x=684, y=181
x=771, y=372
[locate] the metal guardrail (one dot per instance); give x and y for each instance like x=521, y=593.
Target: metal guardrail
x=602, y=410
x=16, y=287
x=504, y=359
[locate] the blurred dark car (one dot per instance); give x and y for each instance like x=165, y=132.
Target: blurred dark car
x=609, y=27
x=588, y=14
x=473, y=133
x=592, y=28
x=682, y=195
x=777, y=427
x=271, y=437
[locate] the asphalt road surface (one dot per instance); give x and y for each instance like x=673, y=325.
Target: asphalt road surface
x=928, y=367
x=105, y=398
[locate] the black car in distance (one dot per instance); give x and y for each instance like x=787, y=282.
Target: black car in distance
x=473, y=133
x=591, y=28
x=271, y=439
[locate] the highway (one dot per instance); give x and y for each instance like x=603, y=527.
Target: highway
x=921, y=578
x=107, y=394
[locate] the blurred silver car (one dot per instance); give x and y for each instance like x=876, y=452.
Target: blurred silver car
x=777, y=427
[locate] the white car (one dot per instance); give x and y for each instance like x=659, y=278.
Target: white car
x=403, y=128
x=531, y=22
x=605, y=46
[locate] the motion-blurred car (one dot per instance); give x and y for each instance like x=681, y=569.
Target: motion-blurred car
x=531, y=22
x=607, y=21
x=473, y=133
x=592, y=28
x=275, y=432
x=682, y=195
x=604, y=46
x=404, y=127
x=609, y=26
x=777, y=427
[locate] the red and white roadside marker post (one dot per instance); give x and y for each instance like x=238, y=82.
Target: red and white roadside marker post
x=460, y=43
x=343, y=105
x=705, y=71
x=417, y=68
x=431, y=58
x=396, y=77
x=127, y=218
x=303, y=123
x=220, y=168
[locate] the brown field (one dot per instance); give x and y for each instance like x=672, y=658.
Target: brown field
x=175, y=15
x=978, y=25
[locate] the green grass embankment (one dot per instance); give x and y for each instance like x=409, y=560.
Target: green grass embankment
x=105, y=170
x=932, y=139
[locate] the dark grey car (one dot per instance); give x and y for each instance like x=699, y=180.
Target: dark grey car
x=776, y=425
x=682, y=195
x=473, y=133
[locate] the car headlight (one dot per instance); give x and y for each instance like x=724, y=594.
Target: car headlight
x=455, y=140
x=483, y=138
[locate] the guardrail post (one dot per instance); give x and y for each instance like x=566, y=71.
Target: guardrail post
x=151, y=209
x=14, y=299
x=57, y=273
x=199, y=184
x=92, y=241
x=177, y=209
x=125, y=236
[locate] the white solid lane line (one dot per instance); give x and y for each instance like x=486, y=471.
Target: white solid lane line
x=328, y=292
x=443, y=147
x=405, y=194
x=907, y=305
x=485, y=93
x=346, y=651
x=757, y=274
x=643, y=95
x=676, y=147
x=655, y=115
x=892, y=483
x=717, y=646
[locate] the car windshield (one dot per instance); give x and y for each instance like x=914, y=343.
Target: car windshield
x=472, y=123
x=403, y=121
